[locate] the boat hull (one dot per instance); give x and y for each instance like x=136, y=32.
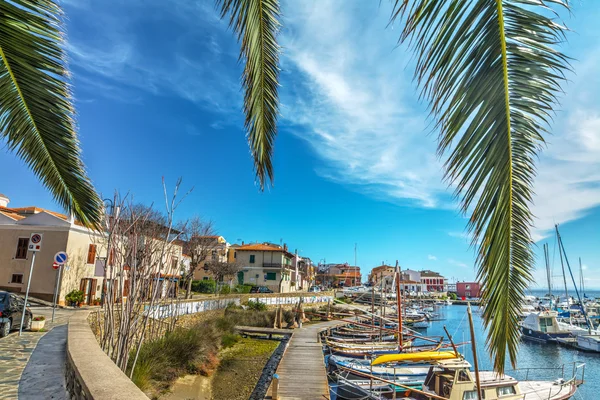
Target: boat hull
x=542, y=337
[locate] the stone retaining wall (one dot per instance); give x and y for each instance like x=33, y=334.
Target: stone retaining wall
x=90, y=373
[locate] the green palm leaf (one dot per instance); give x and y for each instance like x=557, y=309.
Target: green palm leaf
x=36, y=113
x=256, y=22
x=490, y=71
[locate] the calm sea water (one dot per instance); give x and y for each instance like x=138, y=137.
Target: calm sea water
x=531, y=355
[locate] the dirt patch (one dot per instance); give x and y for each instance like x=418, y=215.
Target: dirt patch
x=241, y=367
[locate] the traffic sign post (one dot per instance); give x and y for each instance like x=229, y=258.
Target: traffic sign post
x=60, y=259
x=35, y=245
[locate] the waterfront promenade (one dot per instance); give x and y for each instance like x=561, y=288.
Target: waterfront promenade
x=302, y=373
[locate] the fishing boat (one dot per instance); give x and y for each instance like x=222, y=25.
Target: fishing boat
x=413, y=372
x=543, y=327
x=452, y=379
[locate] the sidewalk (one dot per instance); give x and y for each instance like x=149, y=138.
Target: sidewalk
x=16, y=352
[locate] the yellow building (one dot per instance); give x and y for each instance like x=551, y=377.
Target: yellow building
x=265, y=264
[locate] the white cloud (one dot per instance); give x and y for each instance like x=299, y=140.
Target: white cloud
x=431, y=257
x=352, y=100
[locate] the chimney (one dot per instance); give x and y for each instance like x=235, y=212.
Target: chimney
x=285, y=247
x=4, y=200
x=242, y=242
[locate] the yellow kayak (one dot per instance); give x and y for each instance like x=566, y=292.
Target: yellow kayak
x=415, y=357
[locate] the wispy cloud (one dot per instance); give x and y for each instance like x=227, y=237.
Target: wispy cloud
x=431, y=257
x=352, y=100
x=456, y=263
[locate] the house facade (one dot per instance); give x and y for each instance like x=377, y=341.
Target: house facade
x=265, y=264
x=382, y=272
x=87, y=257
x=433, y=281
x=468, y=290
x=338, y=275
x=217, y=250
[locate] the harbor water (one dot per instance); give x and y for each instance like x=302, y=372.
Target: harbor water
x=530, y=355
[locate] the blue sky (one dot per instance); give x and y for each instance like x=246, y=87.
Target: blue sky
x=157, y=92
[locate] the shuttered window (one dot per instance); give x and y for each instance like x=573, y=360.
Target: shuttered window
x=22, y=245
x=91, y=258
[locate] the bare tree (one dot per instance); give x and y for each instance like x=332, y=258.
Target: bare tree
x=142, y=265
x=222, y=270
x=199, y=243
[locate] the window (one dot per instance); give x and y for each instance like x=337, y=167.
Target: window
x=16, y=278
x=22, y=245
x=470, y=395
x=235, y=254
x=205, y=278
x=174, y=263
x=463, y=376
x=506, y=391
x=271, y=276
x=251, y=258
x=91, y=258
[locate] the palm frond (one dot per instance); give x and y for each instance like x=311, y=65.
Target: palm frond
x=256, y=23
x=491, y=72
x=36, y=112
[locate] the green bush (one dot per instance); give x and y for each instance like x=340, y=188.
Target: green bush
x=225, y=289
x=245, y=288
x=256, y=306
x=74, y=297
x=452, y=296
x=204, y=286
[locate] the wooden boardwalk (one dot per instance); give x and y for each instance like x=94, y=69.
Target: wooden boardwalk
x=302, y=373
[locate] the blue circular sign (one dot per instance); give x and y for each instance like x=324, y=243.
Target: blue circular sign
x=60, y=257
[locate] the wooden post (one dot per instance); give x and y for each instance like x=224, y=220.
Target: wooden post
x=275, y=387
x=474, y=347
x=399, y=305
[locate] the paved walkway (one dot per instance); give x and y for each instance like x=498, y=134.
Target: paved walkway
x=302, y=373
x=16, y=352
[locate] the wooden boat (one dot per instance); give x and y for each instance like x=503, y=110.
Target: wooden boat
x=347, y=339
x=393, y=371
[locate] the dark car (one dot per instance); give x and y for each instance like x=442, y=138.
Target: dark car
x=11, y=310
x=260, y=289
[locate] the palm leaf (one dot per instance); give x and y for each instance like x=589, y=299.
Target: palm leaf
x=490, y=71
x=36, y=112
x=256, y=23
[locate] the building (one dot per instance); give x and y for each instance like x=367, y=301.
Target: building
x=265, y=264
x=86, y=250
x=338, y=275
x=451, y=287
x=433, y=281
x=411, y=275
x=381, y=272
x=466, y=290
x=213, y=248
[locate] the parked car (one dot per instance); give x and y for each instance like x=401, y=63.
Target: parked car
x=260, y=289
x=11, y=310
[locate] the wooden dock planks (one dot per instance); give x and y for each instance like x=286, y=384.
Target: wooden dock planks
x=302, y=373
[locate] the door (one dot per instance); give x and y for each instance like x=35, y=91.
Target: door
x=240, y=276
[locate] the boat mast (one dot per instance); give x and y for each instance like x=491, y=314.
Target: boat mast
x=474, y=347
x=562, y=246
x=547, y=259
x=563, y=270
x=381, y=308
x=582, y=281
x=399, y=306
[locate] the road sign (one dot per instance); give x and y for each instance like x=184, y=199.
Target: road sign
x=60, y=257
x=35, y=242
x=55, y=265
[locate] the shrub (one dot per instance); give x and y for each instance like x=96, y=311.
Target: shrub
x=74, y=297
x=256, y=306
x=452, y=296
x=204, y=286
x=226, y=289
x=245, y=288
x=229, y=339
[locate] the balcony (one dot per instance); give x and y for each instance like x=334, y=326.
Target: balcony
x=276, y=266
